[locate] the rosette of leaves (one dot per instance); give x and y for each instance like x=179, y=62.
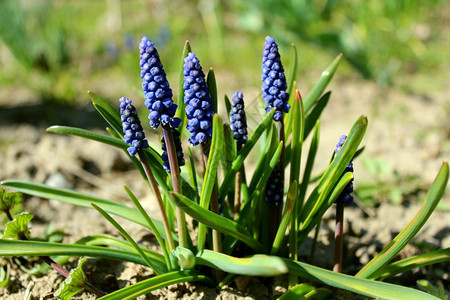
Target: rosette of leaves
x=246, y=250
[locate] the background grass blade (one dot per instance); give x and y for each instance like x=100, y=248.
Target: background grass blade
x=404, y=237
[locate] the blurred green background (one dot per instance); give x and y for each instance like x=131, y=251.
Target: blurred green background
x=57, y=50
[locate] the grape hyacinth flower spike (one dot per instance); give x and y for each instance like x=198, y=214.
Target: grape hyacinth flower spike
x=158, y=94
x=345, y=195
x=131, y=125
x=238, y=119
x=274, y=81
x=199, y=107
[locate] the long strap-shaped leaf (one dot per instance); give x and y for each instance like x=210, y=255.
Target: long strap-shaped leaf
x=211, y=173
x=404, y=237
x=30, y=248
x=80, y=199
x=318, y=196
x=321, y=84
x=237, y=163
x=215, y=221
x=156, y=283
x=410, y=263
x=266, y=265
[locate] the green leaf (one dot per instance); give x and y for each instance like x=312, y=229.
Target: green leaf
x=107, y=111
x=370, y=288
x=209, y=181
x=292, y=69
x=227, y=102
x=229, y=149
x=297, y=292
x=108, y=140
x=404, y=237
x=18, y=228
x=112, y=241
x=5, y=275
x=156, y=283
x=128, y=238
x=215, y=221
x=9, y=199
x=237, y=163
x=31, y=248
x=298, y=127
x=74, y=283
x=193, y=175
x=150, y=224
x=212, y=88
x=180, y=113
x=401, y=266
x=79, y=199
x=286, y=219
x=321, y=84
x=314, y=115
x=255, y=265
x=316, y=200
x=314, y=146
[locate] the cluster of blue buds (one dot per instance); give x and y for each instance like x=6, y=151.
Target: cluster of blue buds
x=158, y=94
x=199, y=107
x=345, y=195
x=178, y=147
x=237, y=119
x=274, y=187
x=131, y=125
x=274, y=81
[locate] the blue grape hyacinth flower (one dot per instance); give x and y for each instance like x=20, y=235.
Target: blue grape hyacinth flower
x=131, y=126
x=238, y=119
x=345, y=195
x=178, y=147
x=158, y=94
x=199, y=106
x=274, y=81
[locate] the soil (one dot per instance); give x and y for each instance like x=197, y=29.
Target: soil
x=409, y=131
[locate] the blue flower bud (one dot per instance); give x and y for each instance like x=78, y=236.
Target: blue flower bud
x=345, y=195
x=238, y=120
x=131, y=125
x=274, y=81
x=158, y=94
x=198, y=101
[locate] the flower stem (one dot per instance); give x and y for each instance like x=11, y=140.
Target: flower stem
x=237, y=191
x=176, y=183
x=154, y=186
x=338, y=237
